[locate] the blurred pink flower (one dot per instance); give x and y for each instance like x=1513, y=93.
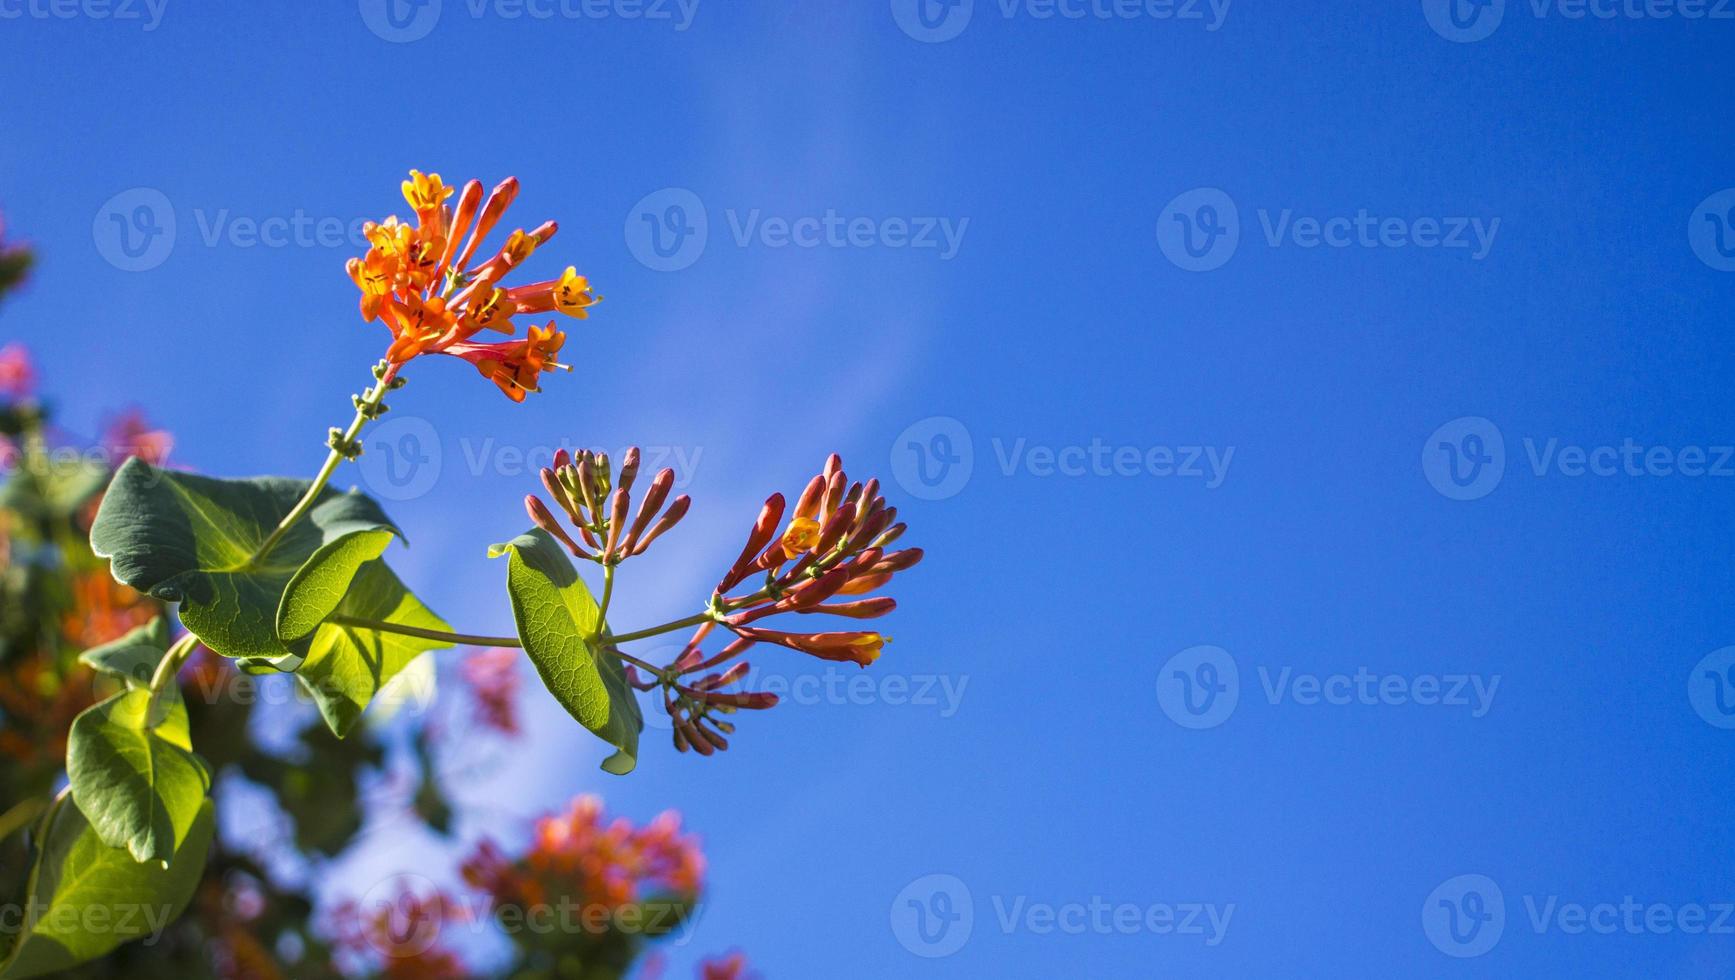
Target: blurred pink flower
x=130, y=435
x=493, y=679
x=17, y=376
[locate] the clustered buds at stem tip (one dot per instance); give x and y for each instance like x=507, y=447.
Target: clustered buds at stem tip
x=834, y=545
x=581, y=488
x=415, y=281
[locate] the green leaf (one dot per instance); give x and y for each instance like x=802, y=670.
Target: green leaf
x=133, y=657
x=557, y=620
x=347, y=666
x=191, y=539
x=140, y=787
x=86, y=898
x=53, y=490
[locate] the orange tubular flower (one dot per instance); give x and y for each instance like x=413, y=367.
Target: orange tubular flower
x=420, y=282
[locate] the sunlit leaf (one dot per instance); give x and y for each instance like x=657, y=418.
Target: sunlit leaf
x=191, y=539
x=346, y=667
x=557, y=623
x=85, y=898
x=140, y=787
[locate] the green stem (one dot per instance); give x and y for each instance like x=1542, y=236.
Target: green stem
x=652, y=669
x=474, y=640
x=692, y=620
x=366, y=410
x=462, y=639
x=20, y=815
x=607, y=593
x=164, y=676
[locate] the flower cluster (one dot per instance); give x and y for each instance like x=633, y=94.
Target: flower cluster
x=493, y=678
x=436, y=292
x=825, y=560
x=834, y=545
x=402, y=935
x=581, y=856
x=582, y=489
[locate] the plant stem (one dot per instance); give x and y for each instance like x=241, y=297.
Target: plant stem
x=471, y=639
x=365, y=411
x=464, y=639
x=164, y=676
x=20, y=815
x=607, y=594
x=692, y=620
x=654, y=670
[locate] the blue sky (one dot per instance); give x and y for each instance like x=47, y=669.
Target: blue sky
x=1086, y=257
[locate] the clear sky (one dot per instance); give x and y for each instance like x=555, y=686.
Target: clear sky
x=1382, y=346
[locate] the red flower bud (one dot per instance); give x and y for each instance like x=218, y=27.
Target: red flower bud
x=670, y=518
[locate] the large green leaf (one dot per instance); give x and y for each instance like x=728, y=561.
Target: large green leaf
x=557, y=623
x=85, y=898
x=191, y=539
x=133, y=657
x=347, y=666
x=140, y=787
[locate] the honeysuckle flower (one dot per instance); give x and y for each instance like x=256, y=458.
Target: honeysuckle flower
x=855, y=646
x=17, y=376
x=730, y=967
x=582, y=857
x=419, y=281
x=494, y=680
x=131, y=435
x=834, y=544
